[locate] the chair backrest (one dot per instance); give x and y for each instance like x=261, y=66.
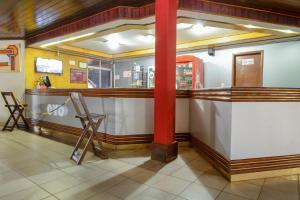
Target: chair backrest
x=9, y=98
x=80, y=105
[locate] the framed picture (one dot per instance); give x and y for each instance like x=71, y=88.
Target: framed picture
x=78, y=76
x=10, y=58
x=83, y=65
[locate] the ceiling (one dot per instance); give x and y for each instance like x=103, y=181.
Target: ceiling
x=135, y=39
x=20, y=17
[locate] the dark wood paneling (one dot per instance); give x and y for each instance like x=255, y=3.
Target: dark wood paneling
x=107, y=137
x=231, y=10
x=94, y=20
x=31, y=17
x=115, y=92
x=282, y=6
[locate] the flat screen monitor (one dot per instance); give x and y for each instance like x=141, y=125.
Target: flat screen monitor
x=51, y=66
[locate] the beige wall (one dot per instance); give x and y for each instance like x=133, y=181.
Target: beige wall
x=14, y=81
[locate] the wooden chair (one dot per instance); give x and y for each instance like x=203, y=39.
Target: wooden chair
x=16, y=110
x=88, y=121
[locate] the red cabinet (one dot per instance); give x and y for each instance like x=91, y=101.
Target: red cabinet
x=189, y=72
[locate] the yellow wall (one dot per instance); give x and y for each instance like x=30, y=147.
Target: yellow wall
x=57, y=81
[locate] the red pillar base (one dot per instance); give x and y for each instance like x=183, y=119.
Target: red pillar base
x=164, y=152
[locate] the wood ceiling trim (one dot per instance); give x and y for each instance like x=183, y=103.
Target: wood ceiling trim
x=121, y=12
x=223, y=9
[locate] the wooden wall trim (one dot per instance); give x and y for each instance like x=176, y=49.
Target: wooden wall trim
x=264, y=164
x=106, y=137
x=234, y=94
x=112, y=92
x=214, y=157
x=223, y=9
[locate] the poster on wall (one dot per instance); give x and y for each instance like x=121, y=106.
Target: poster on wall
x=10, y=58
x=78, y=76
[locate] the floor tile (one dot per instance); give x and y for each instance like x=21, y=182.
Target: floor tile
x=199, y=192
x=187, y=173
x=246, y=190
x=46, y=177
x=227, y=196
x=15, y=186
x=269, y=194
x=284, y=184
x=154, y=194
x=60, y=184
x=78, y=192
x=32, y=193
x=213, y=181
x=127, y=189
x=171, y=184
x=103, y=196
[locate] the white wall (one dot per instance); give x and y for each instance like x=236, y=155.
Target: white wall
x=12, y=81
x=210, y=122
x=281, y=64
x=263, y=129
x=124, y=116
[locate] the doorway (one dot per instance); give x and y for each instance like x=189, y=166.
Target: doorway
x=248, y=69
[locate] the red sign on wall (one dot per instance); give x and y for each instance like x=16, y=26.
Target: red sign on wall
x=78, y=76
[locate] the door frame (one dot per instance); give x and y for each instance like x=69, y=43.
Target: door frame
x=261, y=52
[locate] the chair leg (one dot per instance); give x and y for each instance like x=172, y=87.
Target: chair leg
x=25, y=122
x=79, y=142
x=85, y=148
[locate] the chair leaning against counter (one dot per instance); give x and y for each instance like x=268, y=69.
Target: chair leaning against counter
x=16, y=110
x=88, y=120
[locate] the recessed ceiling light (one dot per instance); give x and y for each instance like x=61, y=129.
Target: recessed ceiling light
x=184, y=26
x=285, y=31
x=112, y=44
x=197, y=28
x=251, y=26
x=147, y=38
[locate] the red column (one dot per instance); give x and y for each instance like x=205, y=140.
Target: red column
x=165, y=147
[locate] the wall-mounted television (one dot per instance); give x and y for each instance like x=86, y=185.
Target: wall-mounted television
x=51, y=66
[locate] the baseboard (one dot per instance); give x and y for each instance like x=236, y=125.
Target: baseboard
x=253, y=168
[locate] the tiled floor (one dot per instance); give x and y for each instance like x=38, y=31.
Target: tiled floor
x=33, y=167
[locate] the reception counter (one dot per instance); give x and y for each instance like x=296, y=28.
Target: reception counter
x=245, y=132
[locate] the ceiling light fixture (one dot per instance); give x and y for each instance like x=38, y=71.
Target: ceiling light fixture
x=285, y=31
x=181, y=26
x=251, y=26
x=67, y=40
x=112, y=44
x=197, y=28
x=147, y=38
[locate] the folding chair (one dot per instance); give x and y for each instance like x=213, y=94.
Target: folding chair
x=88, y=120
x=16, y=110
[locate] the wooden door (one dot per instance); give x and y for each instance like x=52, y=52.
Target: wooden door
x=248, y=69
